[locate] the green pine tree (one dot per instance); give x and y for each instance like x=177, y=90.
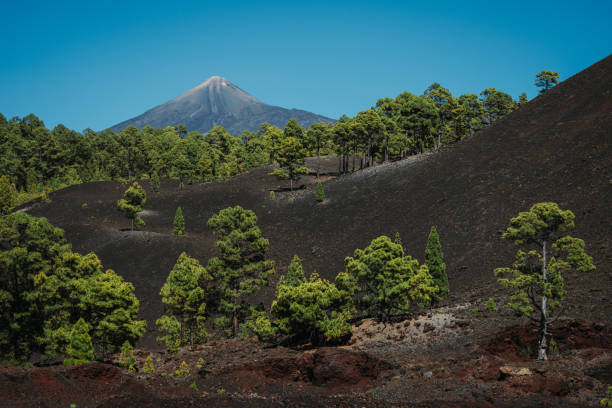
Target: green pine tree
x=435, y=263
x=314, y=310
x=7, y=196
x=384, y=281
x=319, y=193
x=155, y=182
x=241, y=268
x=126, y=358
x=131, y=204
x=179, y=222
x=295, y=273
x=536, y=277
x=80, y=349
x=184, y=301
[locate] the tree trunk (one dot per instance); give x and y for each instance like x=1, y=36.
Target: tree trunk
x=132, y=225
x=318, y=162
x=235, y=315
x=543, y=318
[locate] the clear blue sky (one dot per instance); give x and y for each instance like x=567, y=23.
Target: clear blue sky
x=94, y=64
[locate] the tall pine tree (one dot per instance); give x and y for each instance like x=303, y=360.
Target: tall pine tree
x=435, y=263
x=241, y=268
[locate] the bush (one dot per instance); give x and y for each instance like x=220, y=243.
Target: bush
x=183, y=370
x=491, y=307
x=148, y=367
x=314, y=310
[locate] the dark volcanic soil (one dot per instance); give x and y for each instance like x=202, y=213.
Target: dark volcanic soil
x=467, y=362
x=555, y=148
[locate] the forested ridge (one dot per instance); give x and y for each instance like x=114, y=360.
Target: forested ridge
x=37, y=159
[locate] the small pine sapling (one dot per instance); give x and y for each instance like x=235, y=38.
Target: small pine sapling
x=127, y=359
x=148, y=367
x=319, y=193
x=80, y=348
x=491, y=307
x=183, y=370
x=179, y=222
x=155, y=182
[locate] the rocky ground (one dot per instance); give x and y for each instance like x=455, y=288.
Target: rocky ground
x=452, y=357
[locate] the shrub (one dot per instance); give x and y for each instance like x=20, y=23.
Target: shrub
x=183, y=370
x=148, y=367
x=491, y=307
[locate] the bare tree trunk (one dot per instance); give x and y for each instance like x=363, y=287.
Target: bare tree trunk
x=318, y=162
x=543, y=318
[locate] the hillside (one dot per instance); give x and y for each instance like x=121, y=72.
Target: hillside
x=217, y=101
x=556, y=148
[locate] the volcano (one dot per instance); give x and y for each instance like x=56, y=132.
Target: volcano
x=217, y=101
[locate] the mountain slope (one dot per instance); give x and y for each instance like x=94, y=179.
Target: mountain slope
x=217, y=101
x=557, y=147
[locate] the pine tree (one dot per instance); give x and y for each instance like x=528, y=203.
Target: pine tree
x=319, y=193
x=435, y=263
x=30, y=247
x=131, y=204
x=241, y=268
x=7, y=196
x=127, y=359
x=179, y=222
x=295, y=273
x=384, y=281
x=148, y=366
x=546, y=80
x=315, y=310
x=184, y=300
x=536, y=277
x=80, y=349
x=155, y=182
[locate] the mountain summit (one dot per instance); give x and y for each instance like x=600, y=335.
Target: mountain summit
x=217, y=101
